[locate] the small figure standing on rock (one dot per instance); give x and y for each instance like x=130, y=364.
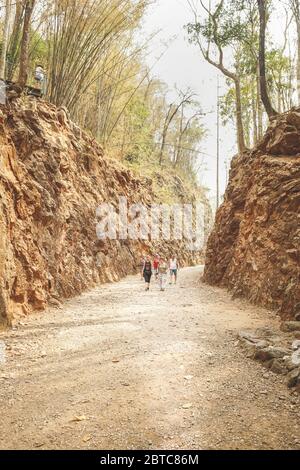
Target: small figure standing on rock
x=147, y=272
x=39, y=75
x=173, y=270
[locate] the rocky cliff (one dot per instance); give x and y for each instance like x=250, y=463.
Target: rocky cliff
x=254, y=249
x=53, y=176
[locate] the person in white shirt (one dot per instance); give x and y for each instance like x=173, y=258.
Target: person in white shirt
x=173, y=269
x=39, y=75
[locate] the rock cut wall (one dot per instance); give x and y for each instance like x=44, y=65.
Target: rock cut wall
x=254, y=249
x=53, y=176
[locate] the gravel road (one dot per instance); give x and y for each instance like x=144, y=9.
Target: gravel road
x=119, y=368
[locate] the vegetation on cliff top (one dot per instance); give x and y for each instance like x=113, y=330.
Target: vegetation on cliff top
x=93, y=55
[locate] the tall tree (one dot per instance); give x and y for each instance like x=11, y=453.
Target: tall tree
x=184, y=128
x=5, y=38
x=24, y=54
x=219, y=30
x=172, y=112
x=262, y=59
x=15, y=39
x=295, y=7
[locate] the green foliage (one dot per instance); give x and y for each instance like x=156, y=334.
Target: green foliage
x=225, y=25
x=228, y=37
x=141, y=150
x=95, y=68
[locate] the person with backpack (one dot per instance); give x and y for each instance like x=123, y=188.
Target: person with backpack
x=162, y=274
x=147, y=272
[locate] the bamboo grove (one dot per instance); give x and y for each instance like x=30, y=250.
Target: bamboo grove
x=93, y=53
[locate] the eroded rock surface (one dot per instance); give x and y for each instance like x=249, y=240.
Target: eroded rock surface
x=53, y=176
x=254, y=247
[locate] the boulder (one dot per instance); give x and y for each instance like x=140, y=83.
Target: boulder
x=296, y=345
x=289, y=365
x=293, y=118
x=279, y=367
x=271, y=352
x=296, y=358
x=290, y=326
x=248, y=336
x=293, y=378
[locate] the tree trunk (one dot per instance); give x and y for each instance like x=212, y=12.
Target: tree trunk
x=262, y=60
x=14, y=40
x=5, y=39
x=259, y=107
x=239, y=117
x=254, y=112
x=280, y=98
x=238, y=104
x=169, y=118
x=295, y=7
x=163, y=144
x=247, y=133
x=298, y=60
x=24, y=56
x=177, y=152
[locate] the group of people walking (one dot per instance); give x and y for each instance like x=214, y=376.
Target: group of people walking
x=160, y=268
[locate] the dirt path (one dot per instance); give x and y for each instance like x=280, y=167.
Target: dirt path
x=119, y=368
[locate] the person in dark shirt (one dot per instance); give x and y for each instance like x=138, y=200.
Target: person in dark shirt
x=147, y=272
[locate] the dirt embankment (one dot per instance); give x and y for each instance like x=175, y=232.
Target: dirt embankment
x=53, y=176
x=254, y=247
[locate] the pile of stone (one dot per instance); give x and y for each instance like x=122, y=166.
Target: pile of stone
x=277, y=351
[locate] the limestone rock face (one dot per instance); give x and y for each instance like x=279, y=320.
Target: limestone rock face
x=254, y=249
x=53, y=176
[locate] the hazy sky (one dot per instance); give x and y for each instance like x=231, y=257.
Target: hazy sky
x=183, y=65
